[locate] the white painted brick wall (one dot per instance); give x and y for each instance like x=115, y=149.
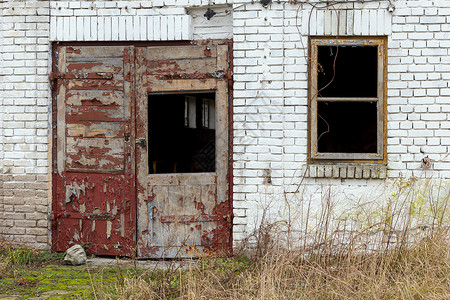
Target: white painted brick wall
x=121, y=28
x=270, y=94
x=2, y=219
x=140, y=20
x=24, y=99
x=27, y=30
x=418, y=96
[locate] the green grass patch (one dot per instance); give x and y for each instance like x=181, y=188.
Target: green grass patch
x=68, y=282
x=28, y=273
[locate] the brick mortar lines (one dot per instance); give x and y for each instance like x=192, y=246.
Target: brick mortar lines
x=257, y=123
x=25, y=122
x=1, y=121
x=403, y=160
x=1, y=125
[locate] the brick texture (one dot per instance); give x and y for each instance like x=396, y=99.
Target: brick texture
x=25, y=119
x=271, y=106
x=270, y=110
x=27, y=30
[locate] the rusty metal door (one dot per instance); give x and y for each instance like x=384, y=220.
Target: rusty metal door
x=94, y=175
x=182, y=214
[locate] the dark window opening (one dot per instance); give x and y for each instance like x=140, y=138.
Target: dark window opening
x=350, y=71
x=347, y=127
x=181, y=133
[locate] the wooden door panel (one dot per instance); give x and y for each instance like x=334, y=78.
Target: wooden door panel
x=166, y=68
x=86, y=98
x=180, y=52
x=96, y=129
x=96, y=212
x=179, y=214
x=153, y=84
x=183, y=200
x=183, y=214
x=90, y=84
x=93, y=53
x=94, y=112
x=110, y=65
x=94, y=201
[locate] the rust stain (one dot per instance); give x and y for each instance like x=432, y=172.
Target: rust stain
x=161, y=66
x=82, y=66
x=99, y=162
x=200, y=206
x=97, y=129
x=96, y=218
x=72, y=50
x=94, y=162
x=194, y=75
x=207, y=51
x=189, y=219
x=94, y=113
x=90, y=84
x=129, y=76
x=84, y=98
x=94, y=192
x=128, y=56
x=151, y=197
x=188, y=211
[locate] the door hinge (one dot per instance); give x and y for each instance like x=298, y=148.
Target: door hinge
x=54, y=76
x=227, y=218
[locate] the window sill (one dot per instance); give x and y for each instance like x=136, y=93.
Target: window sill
x=346, y=170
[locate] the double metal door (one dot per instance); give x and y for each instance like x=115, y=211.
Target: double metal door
x=110, y=190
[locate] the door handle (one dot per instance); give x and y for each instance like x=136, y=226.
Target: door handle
x=142, y=142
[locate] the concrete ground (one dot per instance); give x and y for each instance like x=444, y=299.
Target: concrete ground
x=146, y=264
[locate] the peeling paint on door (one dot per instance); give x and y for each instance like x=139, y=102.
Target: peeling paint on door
x=104, y=194
x=94, y=200
x=186, y=214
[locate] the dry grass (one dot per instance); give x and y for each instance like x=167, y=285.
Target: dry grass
x=398, y=250
x=395, y=245
x=17, y=256
x=419, y=272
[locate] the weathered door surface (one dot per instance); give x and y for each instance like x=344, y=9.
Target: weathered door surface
x=150, y=180
x=182, y=214
x=94, y=171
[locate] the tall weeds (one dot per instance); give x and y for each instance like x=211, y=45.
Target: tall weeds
x=396, y=246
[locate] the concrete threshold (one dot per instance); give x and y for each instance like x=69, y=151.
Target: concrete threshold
x=145, y=264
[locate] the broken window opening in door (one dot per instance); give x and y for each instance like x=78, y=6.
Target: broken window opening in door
x=181, y=133
x=347, y=98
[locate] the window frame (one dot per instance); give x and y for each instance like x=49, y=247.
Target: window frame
x=381, y=43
